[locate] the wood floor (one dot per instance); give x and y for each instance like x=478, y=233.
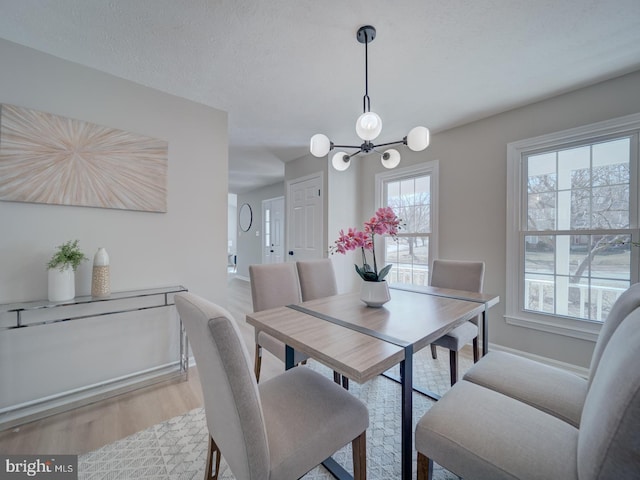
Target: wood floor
x=90, y=427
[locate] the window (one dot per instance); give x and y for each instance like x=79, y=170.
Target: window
x=572, y=221
x=412, y=193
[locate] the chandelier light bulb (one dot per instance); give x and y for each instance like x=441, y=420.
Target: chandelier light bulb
x=368, y=126
x=338, y=161
x=390, y=158
x=418, y=139
x=319, y=145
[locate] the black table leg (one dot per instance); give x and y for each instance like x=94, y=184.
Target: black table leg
x=336, y=469
x=485, y=336
x=406, y=377
x=416, y=388
x=288, y=355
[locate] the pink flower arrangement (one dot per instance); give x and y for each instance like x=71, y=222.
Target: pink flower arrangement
x=384, y=222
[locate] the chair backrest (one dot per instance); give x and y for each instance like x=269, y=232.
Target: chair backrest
x=626, y=303
x=609, y=435
x=274, y=285
x=317, y=279
x=459, y=275
x=231, y=399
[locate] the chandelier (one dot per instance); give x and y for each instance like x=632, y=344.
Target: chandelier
x=368, y=126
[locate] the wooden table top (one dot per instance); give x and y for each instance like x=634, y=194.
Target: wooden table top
x=489, y=299
x=356, y=355
x=409, y=318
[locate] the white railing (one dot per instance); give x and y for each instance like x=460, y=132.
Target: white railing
x=541, y=292
x=416, y=275
x=536, y=292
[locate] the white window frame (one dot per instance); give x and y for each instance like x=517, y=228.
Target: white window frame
x=431, y=168
x=516, y=151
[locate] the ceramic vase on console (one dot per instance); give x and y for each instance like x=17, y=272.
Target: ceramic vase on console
x=100, y=280
x=62, y=284
x=375, y=294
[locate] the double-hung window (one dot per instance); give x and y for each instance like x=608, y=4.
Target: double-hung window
x=572, y=224
x=412, y=193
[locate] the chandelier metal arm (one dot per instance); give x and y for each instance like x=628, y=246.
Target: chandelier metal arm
x=370, y=145
x=345, y=146
x=399, y=142
x=350, y=156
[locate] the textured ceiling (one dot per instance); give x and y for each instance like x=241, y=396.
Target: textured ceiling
x=286, y=69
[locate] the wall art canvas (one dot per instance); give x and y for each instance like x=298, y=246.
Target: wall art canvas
x=46, y=158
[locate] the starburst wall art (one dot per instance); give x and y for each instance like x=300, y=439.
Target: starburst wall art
x=47, y=158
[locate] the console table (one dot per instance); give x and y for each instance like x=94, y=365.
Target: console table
x=34, y=314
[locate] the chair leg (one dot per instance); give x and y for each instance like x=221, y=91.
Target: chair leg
x=425, y=467
x=453, y=366
x=258, y=362
x=476, y=351
x=434, y=353
x=209, y=473
x=359, y=451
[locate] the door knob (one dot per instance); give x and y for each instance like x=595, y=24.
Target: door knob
x=291, y=252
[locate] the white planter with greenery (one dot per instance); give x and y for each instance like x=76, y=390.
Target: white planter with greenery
x=62, y=284
x=62, y=268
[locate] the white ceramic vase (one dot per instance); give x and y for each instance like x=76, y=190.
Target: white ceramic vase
x=62, y=284
x=375, y=294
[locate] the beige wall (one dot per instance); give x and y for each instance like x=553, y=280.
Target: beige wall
x=472, y=216
x=187, y=245
x=344, y=211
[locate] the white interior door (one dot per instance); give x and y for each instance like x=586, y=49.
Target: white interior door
x=273, y=230
x=305, y=218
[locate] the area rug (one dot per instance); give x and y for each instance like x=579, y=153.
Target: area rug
x=175, y=449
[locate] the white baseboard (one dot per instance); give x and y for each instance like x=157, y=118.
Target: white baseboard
x=581, y=371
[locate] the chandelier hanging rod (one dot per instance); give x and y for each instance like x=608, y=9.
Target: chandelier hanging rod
x=367, y=31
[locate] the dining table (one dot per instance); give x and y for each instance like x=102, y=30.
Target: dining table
x=361, y=342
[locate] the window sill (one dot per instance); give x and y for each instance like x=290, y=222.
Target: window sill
x=582, y=329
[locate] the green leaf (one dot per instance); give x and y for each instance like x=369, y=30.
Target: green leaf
x=383, y=273
x=360, y=272
x=370, y=277
x=67, y=255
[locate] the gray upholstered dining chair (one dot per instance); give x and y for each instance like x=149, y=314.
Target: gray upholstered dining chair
x=317, y=280
x=279, y=429
x=550, y=389
x=273, y=285
x=505, y=438
x=458, y=275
